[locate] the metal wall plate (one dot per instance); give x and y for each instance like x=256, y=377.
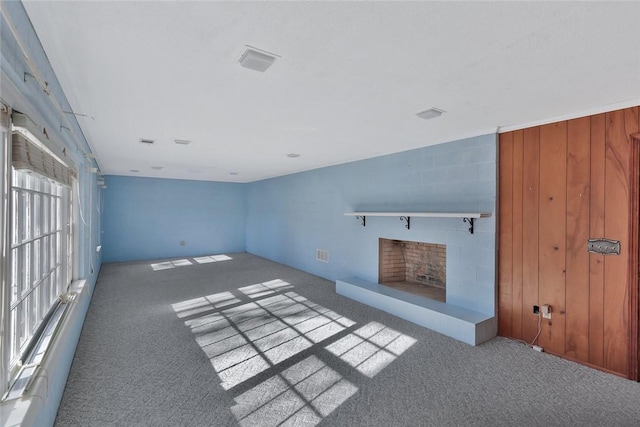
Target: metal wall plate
x=604, y=246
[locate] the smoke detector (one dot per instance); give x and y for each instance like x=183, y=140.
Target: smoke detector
x=257, y=59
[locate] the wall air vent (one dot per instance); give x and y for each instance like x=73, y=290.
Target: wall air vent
x=322, y=255
x=146, y=141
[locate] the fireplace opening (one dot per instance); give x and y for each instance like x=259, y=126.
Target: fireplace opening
x=415, y=267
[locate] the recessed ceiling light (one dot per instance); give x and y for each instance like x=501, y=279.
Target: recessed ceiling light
x=157, y=167
x=146, y=141
x=257, y=59
x=134, y=170
x=293, y=155
x=182, y=141
x=233, y=173
x=431, y=113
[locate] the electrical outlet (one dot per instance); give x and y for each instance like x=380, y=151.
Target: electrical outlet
x=546, y=311
x=182, y=243
x=536, y=309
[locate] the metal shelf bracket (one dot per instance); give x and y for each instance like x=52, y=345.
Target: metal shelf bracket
x=408, y=220
x=363, y=220
x=470, y=221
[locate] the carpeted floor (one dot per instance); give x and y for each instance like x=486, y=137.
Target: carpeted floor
x=245, y=341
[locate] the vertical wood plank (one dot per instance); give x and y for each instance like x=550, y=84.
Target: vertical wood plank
x=505, y=233
x=634, y=253
x=635, y=269
x=616, y=223
x=560, y=185
x=518, y=140
x=552, y=243
x=632, y=125
x=530, y=221
x=596, y=230
x=577, y=276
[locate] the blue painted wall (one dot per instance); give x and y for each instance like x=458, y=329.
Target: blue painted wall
x=285, y=219
x=40, y=404
x=289, y=217
x=147, y=218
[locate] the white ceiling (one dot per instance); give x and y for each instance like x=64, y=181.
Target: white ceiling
x=351, y=77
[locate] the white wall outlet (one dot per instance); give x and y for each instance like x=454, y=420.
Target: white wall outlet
x=546, y=311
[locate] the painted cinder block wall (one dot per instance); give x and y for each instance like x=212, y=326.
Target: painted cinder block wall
x=286, y=219
x=148, y=218
x=289, y=217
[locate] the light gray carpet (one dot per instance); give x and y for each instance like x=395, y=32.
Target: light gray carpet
x=155, y=352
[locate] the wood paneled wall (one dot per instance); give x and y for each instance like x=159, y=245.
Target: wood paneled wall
x=559, y=185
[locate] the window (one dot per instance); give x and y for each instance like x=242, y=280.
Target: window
x=40, y=241
x=40, y=253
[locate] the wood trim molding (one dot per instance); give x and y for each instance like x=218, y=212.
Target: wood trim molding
x=634, y=260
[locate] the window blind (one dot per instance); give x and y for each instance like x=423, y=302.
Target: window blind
x=26, y=155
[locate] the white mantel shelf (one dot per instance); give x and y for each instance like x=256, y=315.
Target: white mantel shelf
x=406, y=216
x=423, y=214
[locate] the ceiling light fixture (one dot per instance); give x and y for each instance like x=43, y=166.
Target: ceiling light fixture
x=146, y=141
x=431, y=113
x=157, y=167
x=233, y=173
x=182, y=141
x=134, y=170
x=257, y=59
x=293, y=155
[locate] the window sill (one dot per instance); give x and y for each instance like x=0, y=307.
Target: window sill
x=39, y=403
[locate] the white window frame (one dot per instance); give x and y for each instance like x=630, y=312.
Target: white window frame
x=5, y=181
x=37, y=266
x=40, y=249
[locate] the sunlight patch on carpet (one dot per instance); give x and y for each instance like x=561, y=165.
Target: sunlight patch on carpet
x=166, y=265
x=211, y=258
x=303, y=394
x=371, y=348
x=256, y=328
x=170, y=264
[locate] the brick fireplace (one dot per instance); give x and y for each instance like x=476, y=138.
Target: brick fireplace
x=415, y=267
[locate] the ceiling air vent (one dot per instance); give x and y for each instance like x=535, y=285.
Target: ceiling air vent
x=431, y=113
x=146, y=141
